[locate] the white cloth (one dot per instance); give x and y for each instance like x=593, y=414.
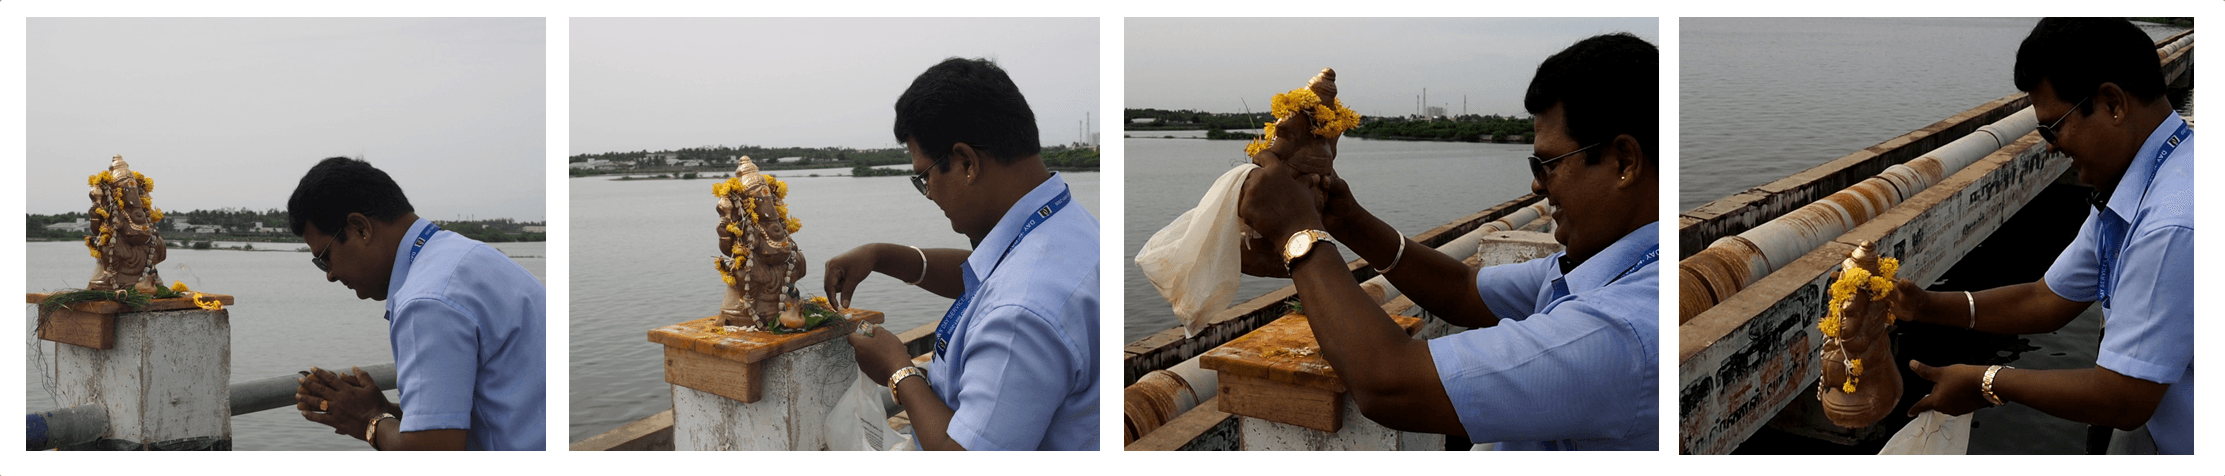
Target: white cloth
x=1195, y=261
x=1932, y=433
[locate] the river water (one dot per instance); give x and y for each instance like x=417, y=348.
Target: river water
x=1762, y=98
x=641, y=259
x=1413, y=186
x=287, y=319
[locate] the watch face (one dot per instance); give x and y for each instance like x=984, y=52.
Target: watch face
x=1299, y=244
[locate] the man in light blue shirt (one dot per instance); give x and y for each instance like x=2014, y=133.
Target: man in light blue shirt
x=1015, y=357
x=2098, y=90
x=1566, y=348
x=468, y=325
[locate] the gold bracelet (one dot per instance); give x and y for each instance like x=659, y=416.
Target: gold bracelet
x=372, y=436
x=900, y=375
x=1986, y=387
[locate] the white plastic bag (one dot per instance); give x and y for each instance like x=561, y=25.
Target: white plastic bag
x=1931, y=433
x=859, y=421
x=1195, y=261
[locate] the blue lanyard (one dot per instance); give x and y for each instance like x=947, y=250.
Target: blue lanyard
x=422, y=237
x=2113, y=227
x=1560, y=284
x=949, y=325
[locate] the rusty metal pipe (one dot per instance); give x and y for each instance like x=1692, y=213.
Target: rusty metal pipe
x=1162, y=395
x=1733, y=262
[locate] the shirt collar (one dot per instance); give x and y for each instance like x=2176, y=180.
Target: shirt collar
x=2126, y=196
x=1616, y=258
x=992, y=246
x=402, y=262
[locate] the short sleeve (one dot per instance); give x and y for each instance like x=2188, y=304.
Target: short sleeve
x=436, y=355
x=1511, y=290
x=1016, y=375
x=2151, y=311
x=2076, y=274
x=1571, y=374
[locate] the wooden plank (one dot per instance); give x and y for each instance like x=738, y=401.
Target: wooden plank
x=1284, y=351
x=79, y=328
x=648, y=434
x=705, y=336
x=1270, y=400
x=741, y=381
x=1745, y=359
x=113, y=307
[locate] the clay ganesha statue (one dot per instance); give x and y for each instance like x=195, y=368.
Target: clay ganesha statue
x=760, y=261
x=125, y=244
x=1860, y=383
x=1308, y=122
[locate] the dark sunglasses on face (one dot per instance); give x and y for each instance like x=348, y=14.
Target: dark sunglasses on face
x=1538, y=167
x=319, y=260
x=2048, y=131
x=919, y=180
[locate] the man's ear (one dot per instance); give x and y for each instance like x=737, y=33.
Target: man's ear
x=2112, y=102
x=361, y=224
x=1629, y=158
x=965, y=161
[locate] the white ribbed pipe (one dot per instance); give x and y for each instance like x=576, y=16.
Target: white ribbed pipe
x=1786, y=238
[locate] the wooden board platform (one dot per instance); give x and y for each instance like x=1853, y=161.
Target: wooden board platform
x=1277, y=373
x=727, y=364
x=92, y=324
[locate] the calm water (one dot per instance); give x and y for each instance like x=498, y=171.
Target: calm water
x=1762, y=98
x=287, y=319
x=641, y=259
x=1414, y=186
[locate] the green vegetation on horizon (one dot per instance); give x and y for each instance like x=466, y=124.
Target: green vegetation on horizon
x=1463, y=128
x=239, y=224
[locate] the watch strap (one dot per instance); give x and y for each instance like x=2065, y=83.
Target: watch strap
x=899, y=376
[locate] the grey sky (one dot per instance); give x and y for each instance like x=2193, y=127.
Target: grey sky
x=664, y=83
x=1215, y=64
x=226, y=113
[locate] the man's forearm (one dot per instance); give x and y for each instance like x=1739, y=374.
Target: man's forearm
x=2094, y=395
x=392, y=438
x=1391, y=375
x=941, y=274
x=2027, y=308
x=1433, y=280
x=930, y=416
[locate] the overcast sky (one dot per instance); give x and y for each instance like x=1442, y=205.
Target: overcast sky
x=1217, y=64
x=661, y=83
x=225, y=113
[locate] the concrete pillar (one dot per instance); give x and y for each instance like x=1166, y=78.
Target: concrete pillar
x=747, y=390
x=800, y=387
x=1357, y=433
x=164, y=383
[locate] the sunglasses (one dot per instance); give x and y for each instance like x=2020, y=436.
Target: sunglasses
x=1538, y=167
x=2048, y=131
x=919, y=180
x=323, y=264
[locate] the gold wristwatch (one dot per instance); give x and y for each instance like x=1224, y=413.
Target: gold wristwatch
x=372, y=435
x=1301, y=243
x=900, y=375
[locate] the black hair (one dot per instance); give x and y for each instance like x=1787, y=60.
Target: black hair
x=970, y=101
x=1607, y=85
x=2077, y=55
x=338, y=186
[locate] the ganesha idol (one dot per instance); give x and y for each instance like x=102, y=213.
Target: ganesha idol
x=1860, y=383
x=760, y=262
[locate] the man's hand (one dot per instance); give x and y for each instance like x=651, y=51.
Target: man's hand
x=1907, y=301
x=1955, y=389
x=879, y=356
x=1334, y=199
x=844, y=272
x=344, y=402
x=1275, y=204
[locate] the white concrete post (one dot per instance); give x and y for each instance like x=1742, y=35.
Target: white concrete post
x=164, y=384
x=800, y=387
x=1357, y=433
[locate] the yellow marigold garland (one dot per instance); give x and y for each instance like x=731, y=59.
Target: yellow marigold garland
x=145, y=184
x=211, y=304
x=1329, y=119
x=721, y=189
